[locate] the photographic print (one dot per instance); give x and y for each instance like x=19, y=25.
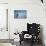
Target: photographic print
x=20, y=14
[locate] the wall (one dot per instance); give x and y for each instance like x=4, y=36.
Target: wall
x=3, y=1
x=45, y=14
x=35, y=13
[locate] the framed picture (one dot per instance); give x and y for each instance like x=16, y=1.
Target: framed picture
x=20, y=14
